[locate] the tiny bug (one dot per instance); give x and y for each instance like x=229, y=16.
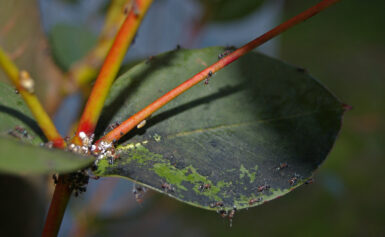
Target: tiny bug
x=113, y=125
x=209, y=75
x=309, y=181
x=263, y=188
x=168, y=187
x=205, y=187
x=293, y=181
x=254, y=200
x=223, y=213
x=216, y=204
x=55, y=179
x=232, y=213
x=139, y=193
x=282, y=166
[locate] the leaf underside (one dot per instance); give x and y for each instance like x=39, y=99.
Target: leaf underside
x=233, y=134
x=19, y=158
x=25, y=156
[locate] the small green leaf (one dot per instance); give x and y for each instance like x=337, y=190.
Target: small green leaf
x=19, y=158
x=70, y=43
x=225, y=141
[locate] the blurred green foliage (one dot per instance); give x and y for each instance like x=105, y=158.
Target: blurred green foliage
x=228, y=10
x=70, y=43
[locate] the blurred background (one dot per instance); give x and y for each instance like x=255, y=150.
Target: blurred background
x=343, y=47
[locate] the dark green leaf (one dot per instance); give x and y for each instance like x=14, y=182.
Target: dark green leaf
x=15, y=117
x=232, y=134
x=227, y=10
x=70, y=43
x=19, y=158
x=28, y=158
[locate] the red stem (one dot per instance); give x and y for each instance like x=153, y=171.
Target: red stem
x=134, y=120
x=110, y=68
x=57, y=208
x=94, y=106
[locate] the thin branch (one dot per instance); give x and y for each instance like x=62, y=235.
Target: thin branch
x=110, y=68
x=25, y=85
x=57, y=208
x=86, y=69
x=137, y=118
x=94, y=105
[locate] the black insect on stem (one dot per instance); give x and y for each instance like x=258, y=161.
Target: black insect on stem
x=209, y=75
x=55, y=178
x=227, y=51
x=113, y=126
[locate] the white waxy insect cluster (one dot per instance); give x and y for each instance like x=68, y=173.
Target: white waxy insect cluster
x=104, y=150
x=85, y=148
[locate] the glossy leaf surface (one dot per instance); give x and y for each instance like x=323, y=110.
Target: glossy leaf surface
x=258, y=129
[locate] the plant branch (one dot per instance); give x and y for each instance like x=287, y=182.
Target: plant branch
x=82, y=72
x=57, y=208
x=134, y=120
x=95, y=103
x=85, y=70
x=25, y=86
x=110, y=68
